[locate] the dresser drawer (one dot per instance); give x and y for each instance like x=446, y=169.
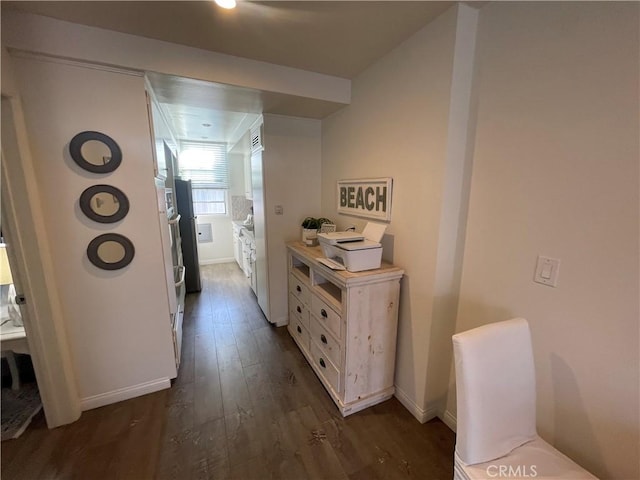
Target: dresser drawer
x=299, y=332
x=329, y=345
x=326, y=368
x=326, y=316
x=299, y=289
x=299, y=310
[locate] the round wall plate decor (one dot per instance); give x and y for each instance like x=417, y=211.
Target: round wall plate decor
x=104, y=203
x=95, y=152
x=110, y=251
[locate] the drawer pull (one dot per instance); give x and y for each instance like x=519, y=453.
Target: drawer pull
x=298, y=289
x=299, y=309
x=323, y=338
x=323, y=312
x=299, y=329
x=322, y=364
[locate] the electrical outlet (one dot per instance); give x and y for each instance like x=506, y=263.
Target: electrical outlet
x=279, y=210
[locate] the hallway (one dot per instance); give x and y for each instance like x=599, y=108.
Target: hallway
x=245, y=406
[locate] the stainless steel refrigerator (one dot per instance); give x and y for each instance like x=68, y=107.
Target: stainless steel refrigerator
x=189, y=234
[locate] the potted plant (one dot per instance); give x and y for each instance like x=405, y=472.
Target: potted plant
x=310, y=227
x=325, y=225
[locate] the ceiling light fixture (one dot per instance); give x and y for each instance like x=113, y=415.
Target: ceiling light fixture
x=228, y=4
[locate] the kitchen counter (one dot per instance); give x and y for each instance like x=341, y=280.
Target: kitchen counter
x=246, y=230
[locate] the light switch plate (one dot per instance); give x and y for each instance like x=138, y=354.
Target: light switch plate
x=279, y=209
x=547, y=270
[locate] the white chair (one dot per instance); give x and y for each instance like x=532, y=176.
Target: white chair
x=496, y=419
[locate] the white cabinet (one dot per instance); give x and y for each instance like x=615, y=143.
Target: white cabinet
x=345, y=324
x=253, y=277
x=248, y=252
x=244, y=252
x=248, y=188
x=237, y=244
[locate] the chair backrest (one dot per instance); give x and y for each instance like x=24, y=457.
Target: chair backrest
x=496, y=392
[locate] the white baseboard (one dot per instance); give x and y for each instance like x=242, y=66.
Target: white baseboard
x=421, y=414
x=450, y=420
x=126, y=393
x=217, y=260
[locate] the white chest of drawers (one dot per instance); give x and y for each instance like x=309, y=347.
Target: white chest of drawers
x=345, y=324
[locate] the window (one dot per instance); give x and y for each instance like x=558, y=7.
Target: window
x=209, y=201
x=205, y=164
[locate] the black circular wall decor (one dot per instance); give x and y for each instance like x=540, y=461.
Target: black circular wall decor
x=110, y=251
x=101, y=154
x=104, y=203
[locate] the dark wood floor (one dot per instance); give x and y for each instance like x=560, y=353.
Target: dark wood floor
x=245, y=406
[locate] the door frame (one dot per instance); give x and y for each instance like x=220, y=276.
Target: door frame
x=33, y=272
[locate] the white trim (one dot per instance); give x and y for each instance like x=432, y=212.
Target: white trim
x=126, y=393
x=217, y=260
x=43, y=57
x=450, y=420
x=43, y=319
x=421, y=414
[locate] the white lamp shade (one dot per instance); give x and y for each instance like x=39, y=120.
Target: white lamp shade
x=5, y=270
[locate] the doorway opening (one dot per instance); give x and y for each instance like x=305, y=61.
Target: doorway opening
x=20, y=397
x=207, y=126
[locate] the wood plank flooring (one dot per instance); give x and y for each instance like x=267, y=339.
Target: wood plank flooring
x=245, y=406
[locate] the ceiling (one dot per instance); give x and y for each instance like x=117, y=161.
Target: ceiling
x=228, y=107
x=340, y=38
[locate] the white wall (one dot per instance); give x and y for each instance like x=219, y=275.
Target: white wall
x=397, y=126
x=291, y=163
x=556, y=173
x=220, y=250
x=117, y=322
x=556, y=105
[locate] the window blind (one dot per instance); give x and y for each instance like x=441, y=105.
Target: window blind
x=205, y=164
